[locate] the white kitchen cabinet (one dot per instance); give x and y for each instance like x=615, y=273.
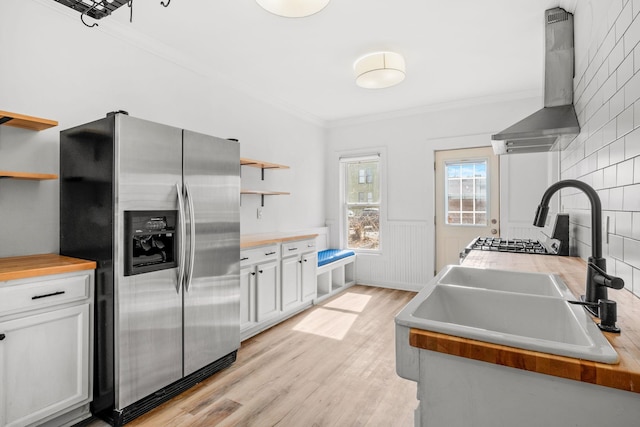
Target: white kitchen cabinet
x=259, y=290
x=247, y=297
x=46, y=348
x=267, y=295
x=299, y=263
x=309, y=268
x=290, y=281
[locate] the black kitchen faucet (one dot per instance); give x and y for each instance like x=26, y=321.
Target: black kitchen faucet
x=595, y=299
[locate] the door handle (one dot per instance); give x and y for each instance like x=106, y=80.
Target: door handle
x=183, y=238
x=494, y=231
x=192, y=235
x=2, y=337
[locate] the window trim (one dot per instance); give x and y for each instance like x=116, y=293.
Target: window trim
x=348, y=158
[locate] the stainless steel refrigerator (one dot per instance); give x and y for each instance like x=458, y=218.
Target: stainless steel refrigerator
x=158, y=208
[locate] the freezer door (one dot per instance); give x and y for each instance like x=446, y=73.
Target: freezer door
x=148, y=307
x=211, y=170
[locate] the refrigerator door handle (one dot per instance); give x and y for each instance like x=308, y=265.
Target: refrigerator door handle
x=192, y=235
x=183, y=237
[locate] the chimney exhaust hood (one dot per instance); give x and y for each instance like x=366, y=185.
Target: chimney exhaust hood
x=556, y=125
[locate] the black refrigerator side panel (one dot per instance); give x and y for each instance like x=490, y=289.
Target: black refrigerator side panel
x=86, y=231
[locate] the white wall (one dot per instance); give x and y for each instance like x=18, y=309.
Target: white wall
x=408, y=143
x=52, y=66
x=606, y=154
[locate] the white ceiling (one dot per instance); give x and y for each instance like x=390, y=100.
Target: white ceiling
x=456, y=51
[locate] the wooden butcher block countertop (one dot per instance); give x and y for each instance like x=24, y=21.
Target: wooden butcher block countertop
x=21, y=267
x=254, y=240
x=624, y=376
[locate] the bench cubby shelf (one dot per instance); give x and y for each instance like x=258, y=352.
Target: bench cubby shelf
x=335, y=277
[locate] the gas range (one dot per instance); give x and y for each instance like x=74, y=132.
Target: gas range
x=497, y=244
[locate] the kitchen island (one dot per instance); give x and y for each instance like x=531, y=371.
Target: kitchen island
x=467, y=382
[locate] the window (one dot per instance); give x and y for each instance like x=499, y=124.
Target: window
x=362, y=202
x=466, y=193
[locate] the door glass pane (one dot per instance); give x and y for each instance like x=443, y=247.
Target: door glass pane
x=466, y=192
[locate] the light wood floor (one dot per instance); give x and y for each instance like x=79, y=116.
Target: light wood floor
x=332, y=365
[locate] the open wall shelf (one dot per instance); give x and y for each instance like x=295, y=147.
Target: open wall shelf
x=31, y=123
x=262, y=165
x=28, y=175
x=25, y=122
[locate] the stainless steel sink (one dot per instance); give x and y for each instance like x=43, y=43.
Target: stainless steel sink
x=524, y=310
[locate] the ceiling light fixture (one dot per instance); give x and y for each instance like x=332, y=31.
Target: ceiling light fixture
x=379, y=70
x=293, y=8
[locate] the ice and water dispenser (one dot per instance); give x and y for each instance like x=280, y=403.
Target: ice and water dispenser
x=151, y=242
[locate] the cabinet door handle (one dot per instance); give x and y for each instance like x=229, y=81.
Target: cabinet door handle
x=293, y=249
x=306, y=260
x=253, y=273
x=52, y=294
x=244, y=258
x=260, y=271
x=269, y=253
x=2, y=336
x=300, y=261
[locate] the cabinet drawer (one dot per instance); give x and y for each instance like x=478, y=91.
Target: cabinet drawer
x=43, y=293
x=298, y=247
x=254, y=256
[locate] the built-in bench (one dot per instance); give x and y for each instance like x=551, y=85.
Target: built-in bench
x=336, y=271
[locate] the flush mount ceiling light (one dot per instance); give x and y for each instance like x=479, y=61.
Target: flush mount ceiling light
x=293, y=8
x=379, y=70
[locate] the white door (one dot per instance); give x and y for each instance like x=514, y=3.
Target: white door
x=467, y=201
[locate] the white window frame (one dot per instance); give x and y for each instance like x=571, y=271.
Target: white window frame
x=343, y=160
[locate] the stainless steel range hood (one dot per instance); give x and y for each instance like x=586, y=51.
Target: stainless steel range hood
x=556, y=125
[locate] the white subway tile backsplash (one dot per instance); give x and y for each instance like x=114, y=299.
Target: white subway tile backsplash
x=624, y=121
x=616, y=247
x=616, y=57
x=624, y=173
x=632, y=145
x=609, y=178
x=622, y=224
x=631, y=198
x=632, y=252
x=623, y=21
x=616, y=150
x=632, y=88
x=624, y=72
x=616, y=105
x=625, y=272
x=609, y=132
x=631, y=36
x=606, y=154
x=603, y=157
x=616, y=198
x=635, y=225
x=604, y=198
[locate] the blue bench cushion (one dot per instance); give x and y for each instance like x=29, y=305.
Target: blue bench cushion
x=330, y=255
